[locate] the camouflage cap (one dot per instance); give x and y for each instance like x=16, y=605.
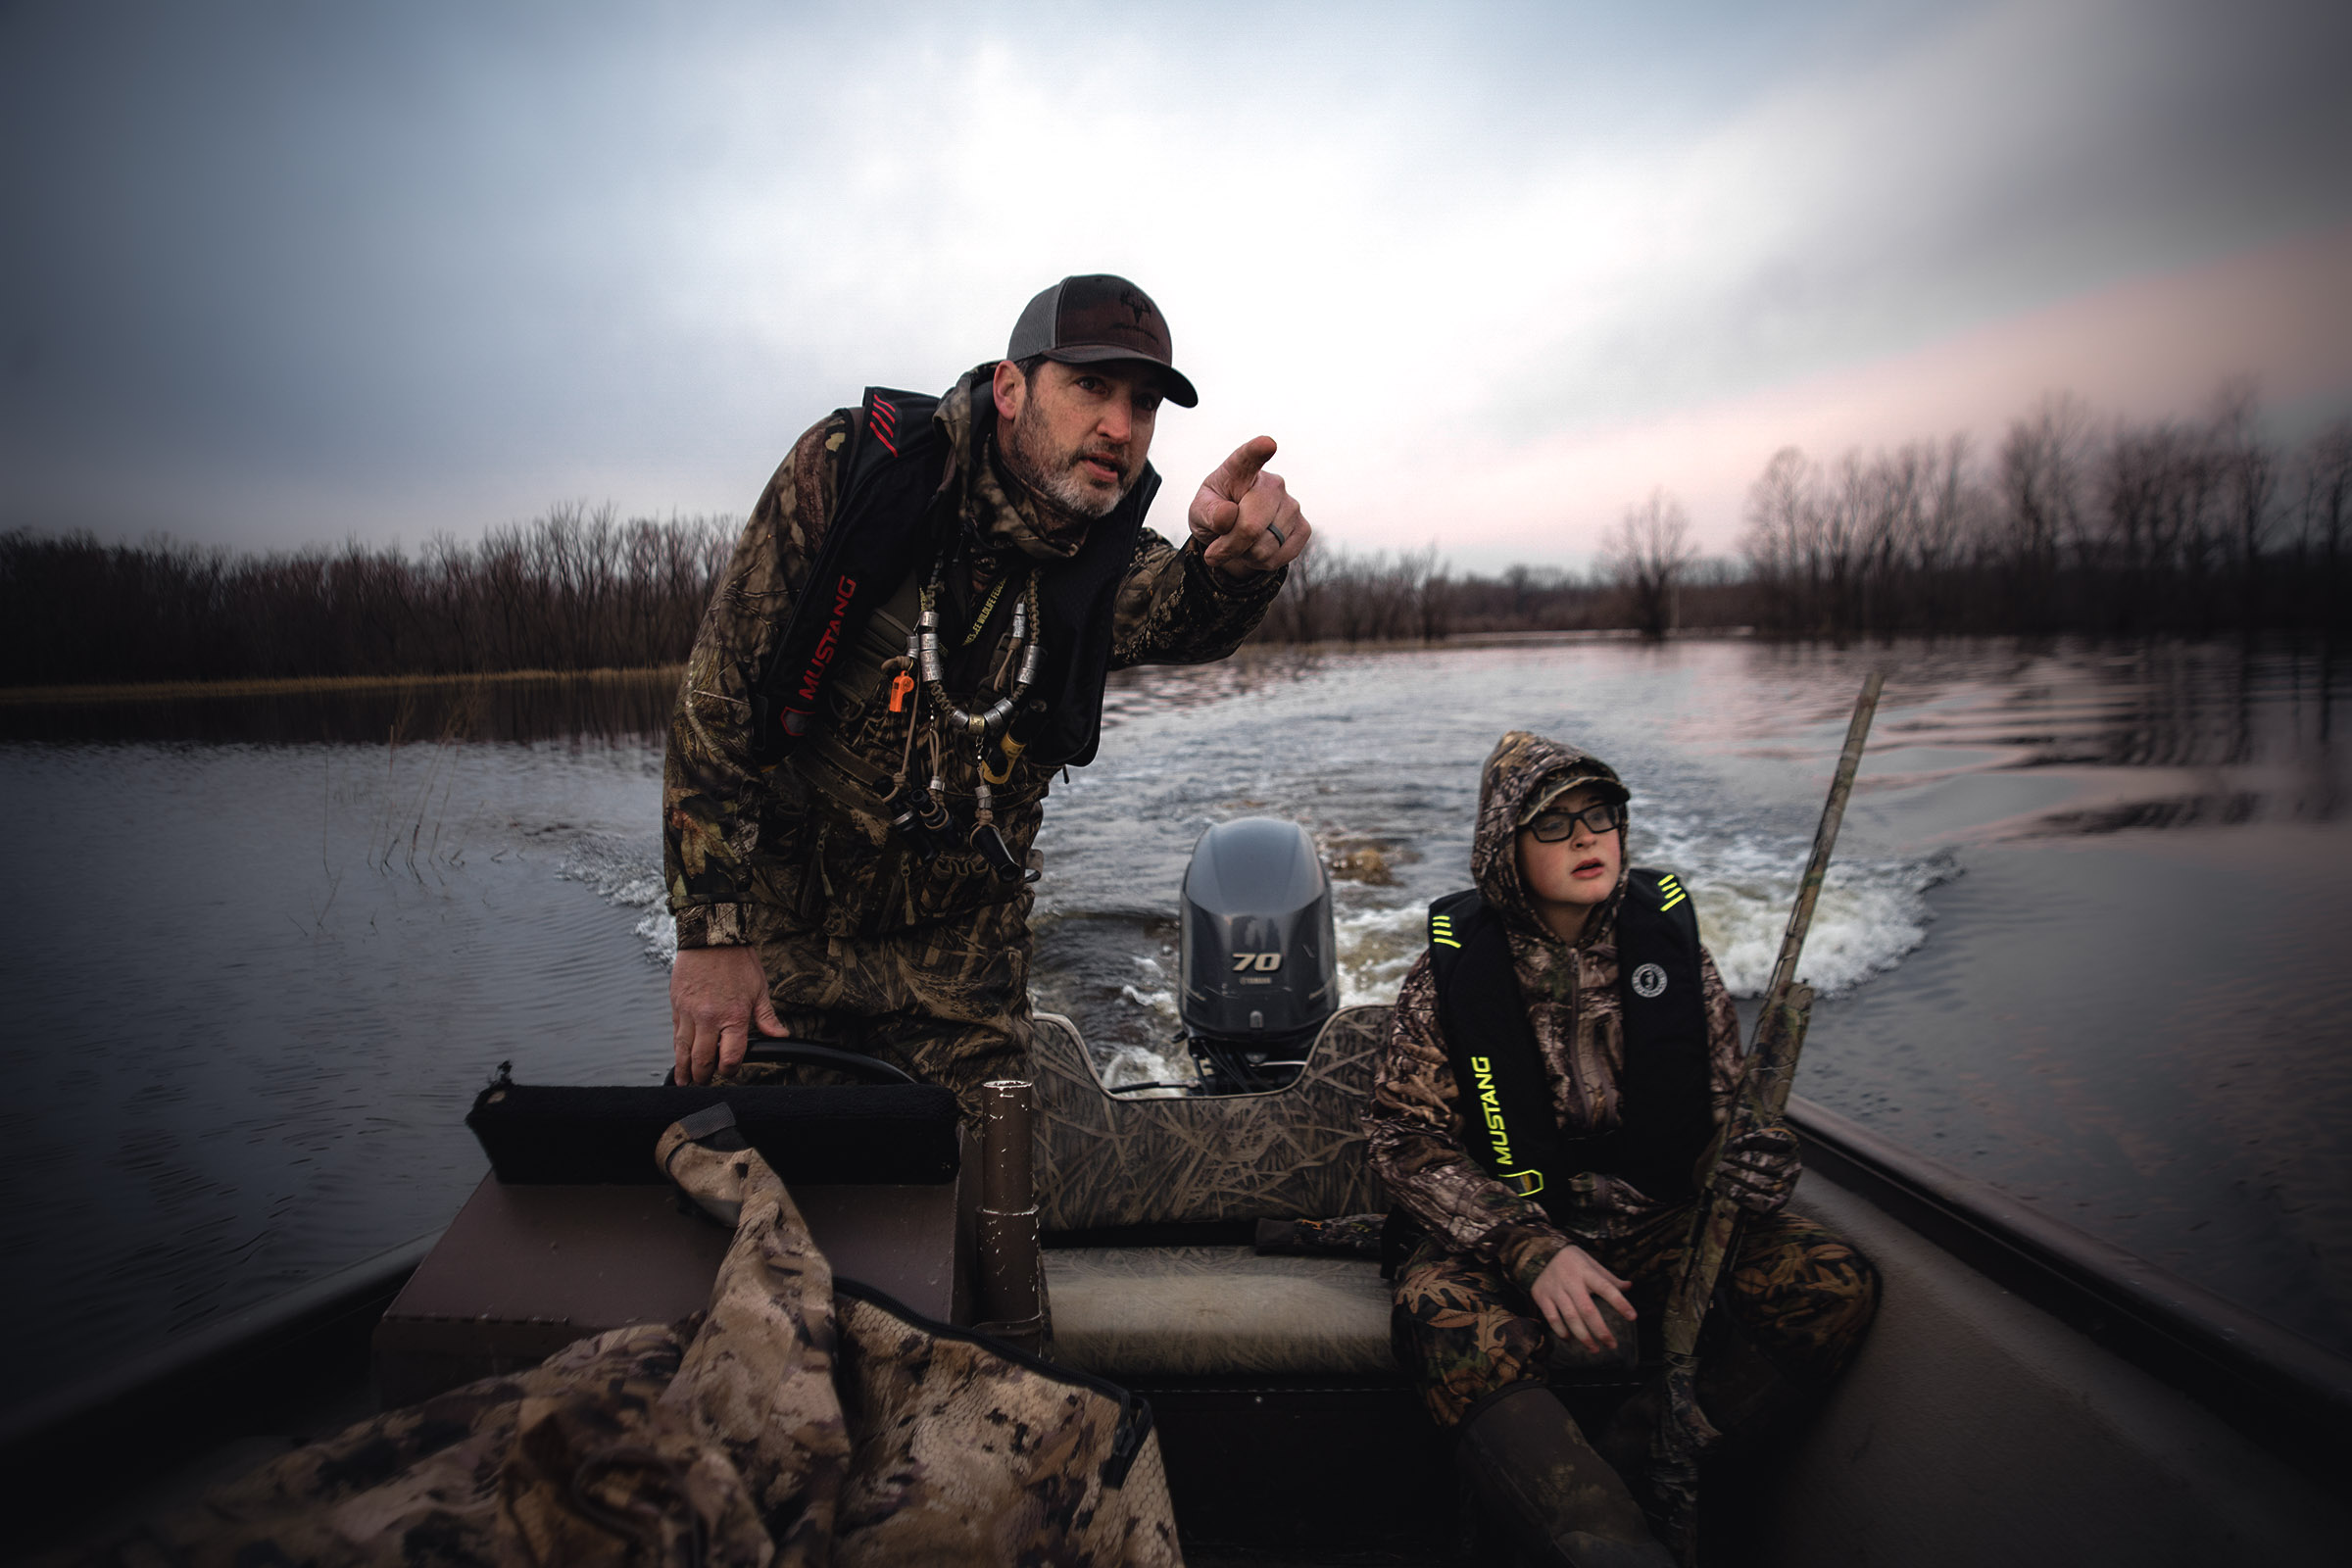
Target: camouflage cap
x=1549, y=790
x=1093, y=319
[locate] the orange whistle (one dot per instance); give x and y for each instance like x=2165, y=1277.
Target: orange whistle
x=899, y=688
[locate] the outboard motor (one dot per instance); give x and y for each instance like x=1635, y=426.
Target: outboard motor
x=1259, y=965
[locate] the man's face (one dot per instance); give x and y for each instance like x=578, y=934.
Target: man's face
x=1077, y=434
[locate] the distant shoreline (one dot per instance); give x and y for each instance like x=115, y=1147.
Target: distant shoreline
x=305, y=685
x=289, y=686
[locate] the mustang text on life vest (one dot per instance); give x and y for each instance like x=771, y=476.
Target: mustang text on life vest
x=813, y=677
x=1493, y=1108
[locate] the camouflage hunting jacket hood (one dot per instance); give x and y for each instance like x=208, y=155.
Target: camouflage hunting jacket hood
x=754, y=856
x=1415, y=1123
x=1524, y=773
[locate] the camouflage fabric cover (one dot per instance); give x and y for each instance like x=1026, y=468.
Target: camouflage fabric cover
x=1103, y=1160
x=785, y=1426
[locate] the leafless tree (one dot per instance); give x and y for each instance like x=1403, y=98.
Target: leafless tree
x=1948, y=519
x=1647, y=553
x=1434, y=599
x=1783, y=541
x=2326, y=465
x=2249, y=485
x=2041, y=480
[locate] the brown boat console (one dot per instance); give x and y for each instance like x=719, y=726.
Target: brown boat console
x=575, y=1231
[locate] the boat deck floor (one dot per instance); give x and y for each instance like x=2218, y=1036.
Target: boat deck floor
x=127, y=1495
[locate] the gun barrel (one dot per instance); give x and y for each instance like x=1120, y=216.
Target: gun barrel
x=1825, y=839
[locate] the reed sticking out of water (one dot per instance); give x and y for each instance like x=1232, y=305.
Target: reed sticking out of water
x=456, y=721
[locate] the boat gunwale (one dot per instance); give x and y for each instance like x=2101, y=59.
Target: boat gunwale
x=2290, y=1396
x=207, y=1352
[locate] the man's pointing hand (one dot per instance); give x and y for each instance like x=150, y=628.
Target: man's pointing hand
x=1244, y=521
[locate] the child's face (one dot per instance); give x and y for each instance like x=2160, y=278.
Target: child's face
x=1569, y=876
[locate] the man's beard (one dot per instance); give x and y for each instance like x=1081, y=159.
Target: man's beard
x=1052, y=478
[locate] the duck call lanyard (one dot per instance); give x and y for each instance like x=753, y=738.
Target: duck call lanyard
x=989, y=728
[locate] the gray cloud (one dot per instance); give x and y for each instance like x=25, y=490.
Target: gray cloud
x=2016, y=157
x=275, y=272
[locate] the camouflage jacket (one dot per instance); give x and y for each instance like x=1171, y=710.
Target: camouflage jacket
x=806, y=844
x=1415, y=1121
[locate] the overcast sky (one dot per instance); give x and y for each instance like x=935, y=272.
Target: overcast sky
x=278, y=274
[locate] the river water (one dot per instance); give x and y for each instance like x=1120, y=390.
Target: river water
x=2085, y=940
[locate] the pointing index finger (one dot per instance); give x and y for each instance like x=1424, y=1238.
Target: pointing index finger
x=1235, y=474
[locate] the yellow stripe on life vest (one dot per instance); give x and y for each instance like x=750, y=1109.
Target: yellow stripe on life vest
x=1674, y=891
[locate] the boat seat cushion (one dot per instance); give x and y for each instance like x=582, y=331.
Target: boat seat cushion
x=1139, y=1313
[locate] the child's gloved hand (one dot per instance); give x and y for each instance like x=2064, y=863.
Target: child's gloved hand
x=1759, y=1168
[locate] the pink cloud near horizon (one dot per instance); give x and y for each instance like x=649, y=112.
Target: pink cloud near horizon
x=2147, y=347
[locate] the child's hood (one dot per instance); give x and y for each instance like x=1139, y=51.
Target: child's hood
x=1524, y=773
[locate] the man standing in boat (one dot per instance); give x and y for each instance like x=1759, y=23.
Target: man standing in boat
x=912, y=636
x=1558, y=1062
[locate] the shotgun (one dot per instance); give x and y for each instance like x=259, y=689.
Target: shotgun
x=1685, y=1433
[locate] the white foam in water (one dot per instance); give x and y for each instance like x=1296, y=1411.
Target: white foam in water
x=1376, y=949
x=659, y=929
x=1141, y=1064
x=1869, y=913
x=622, y=874
x=1160, y=1002
x=1870, y=916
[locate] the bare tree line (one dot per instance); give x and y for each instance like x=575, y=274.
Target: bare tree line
x=2172, y=527
x=2175, y=528
x=575, y=589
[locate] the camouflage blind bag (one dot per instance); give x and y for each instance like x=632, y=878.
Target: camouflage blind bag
x=795, y=1422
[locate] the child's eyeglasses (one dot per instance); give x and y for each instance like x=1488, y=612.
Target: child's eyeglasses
x=1549, y=827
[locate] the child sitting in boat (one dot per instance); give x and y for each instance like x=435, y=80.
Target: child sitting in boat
x=1559, y=1060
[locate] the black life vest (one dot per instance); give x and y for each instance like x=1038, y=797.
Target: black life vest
x=1664, y=1097
x=895, y=504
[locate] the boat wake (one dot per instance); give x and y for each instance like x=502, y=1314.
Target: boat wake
x=629, y=875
